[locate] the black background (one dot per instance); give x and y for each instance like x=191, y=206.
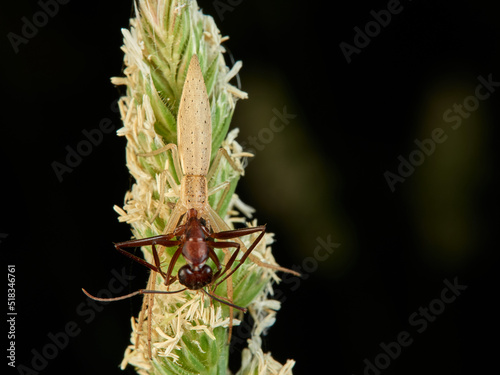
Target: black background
x=320, y=177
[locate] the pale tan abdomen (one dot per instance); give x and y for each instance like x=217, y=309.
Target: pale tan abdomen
x=194, y=123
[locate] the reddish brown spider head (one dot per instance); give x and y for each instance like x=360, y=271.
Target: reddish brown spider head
x=195, y=279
